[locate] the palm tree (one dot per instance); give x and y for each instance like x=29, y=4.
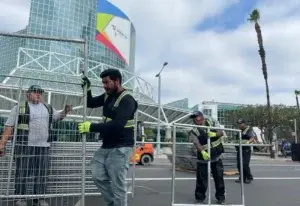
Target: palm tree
x=297, y=92
x=254, y=18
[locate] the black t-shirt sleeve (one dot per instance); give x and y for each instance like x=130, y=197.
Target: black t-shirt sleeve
x=251, y=134
x=124, y=111
x=93, y=102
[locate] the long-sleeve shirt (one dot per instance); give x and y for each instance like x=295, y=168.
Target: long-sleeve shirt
x=113, y=132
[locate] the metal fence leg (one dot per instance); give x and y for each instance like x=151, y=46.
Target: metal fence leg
x=134, y=153
x=86, y=66
x=241, y=169
x=208, y=171
x=14, y=141
x=173, y=166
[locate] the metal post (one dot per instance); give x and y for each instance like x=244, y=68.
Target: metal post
x=296, y=135
x=158, y=139
x=82, y=203
x=134, y=153
x=14, y=140
x=173, y=165
x=241, y=168
x=208, y=170
x=49, y=97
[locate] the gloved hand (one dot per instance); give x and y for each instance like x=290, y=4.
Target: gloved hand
x=86, y=81
x=205, y=155
x=246, y=142
x=215, y=134
x=84, y=127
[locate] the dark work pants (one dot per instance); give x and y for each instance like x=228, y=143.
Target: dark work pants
x=246, y=153
x=31, y=161
x=202, y=180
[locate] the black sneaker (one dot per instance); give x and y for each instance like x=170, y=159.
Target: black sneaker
x=238, y=180
x=221, y=202
x=199, y=201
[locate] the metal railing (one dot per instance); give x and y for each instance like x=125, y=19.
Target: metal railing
x=48, y=62
x=66, y=177
x=176, y=125
x=83, y=43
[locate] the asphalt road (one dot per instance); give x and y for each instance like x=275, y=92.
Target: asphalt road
x=277, y=182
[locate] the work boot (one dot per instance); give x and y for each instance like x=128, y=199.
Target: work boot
x=198, y=201
x=246, y=181
x=21, y=203
x=238, y=180
x=221, y=202
x=40, y=203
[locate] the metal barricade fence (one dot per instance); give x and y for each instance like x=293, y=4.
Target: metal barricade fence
x=177, y=125
x=147, y=149
x=58, y=73
x=67, y=162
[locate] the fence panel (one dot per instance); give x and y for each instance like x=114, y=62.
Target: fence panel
x=174, y=153
x=65, y=177
x=56, y=65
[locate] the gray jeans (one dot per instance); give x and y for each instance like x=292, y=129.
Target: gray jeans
x=31, y=161
x=109, y=172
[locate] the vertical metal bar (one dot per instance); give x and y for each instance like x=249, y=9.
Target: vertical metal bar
x=134, y=153
x=19, y=56
x=296, y=135
x=158, y=115
x=49, y=97
x=50, y=61
x=173, y=165
x=208, y=170
x=241, y=168
x=14, y=139
x=85, y=72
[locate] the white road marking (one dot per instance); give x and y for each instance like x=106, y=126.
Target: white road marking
x=226, y=178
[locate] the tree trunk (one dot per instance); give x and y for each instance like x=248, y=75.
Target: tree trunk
x=262, y=55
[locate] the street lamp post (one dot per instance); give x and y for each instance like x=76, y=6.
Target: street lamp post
x=159, y=108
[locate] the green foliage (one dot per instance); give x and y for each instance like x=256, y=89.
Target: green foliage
x=254, y=16
x=257, y=115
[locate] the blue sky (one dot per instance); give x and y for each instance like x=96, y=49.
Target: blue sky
x=213, y=51
x=230, y=18
x=210, y=46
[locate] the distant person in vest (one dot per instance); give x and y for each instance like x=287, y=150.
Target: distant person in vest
x=248, y=137
x=199, y=137
x=111, y=162
x=32, y=141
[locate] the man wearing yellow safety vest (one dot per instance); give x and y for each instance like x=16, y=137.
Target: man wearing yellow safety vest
x=199, y=136
x=111, y=162
x=248, y=137
x=34, y=120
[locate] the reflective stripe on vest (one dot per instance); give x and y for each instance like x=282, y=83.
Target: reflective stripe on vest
x=22, y=107
x=244, y=133
x=130, y=123
x=246, y=130
x=213, y=144
x=22, y=111
x=23, y=126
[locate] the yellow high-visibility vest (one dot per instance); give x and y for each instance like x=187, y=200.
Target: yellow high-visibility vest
x=130, y=123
